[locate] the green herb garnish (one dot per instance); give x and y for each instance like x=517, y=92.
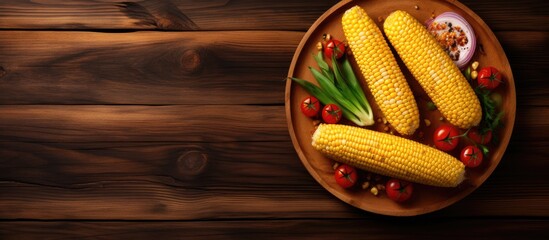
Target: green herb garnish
x=491, y=118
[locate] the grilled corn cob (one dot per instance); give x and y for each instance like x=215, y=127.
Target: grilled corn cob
x=433, y=69
x=388, y=155
x=380, y=70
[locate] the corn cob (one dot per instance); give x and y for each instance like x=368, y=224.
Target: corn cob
x=433, y=69
x=380, y=70
x=388, y=155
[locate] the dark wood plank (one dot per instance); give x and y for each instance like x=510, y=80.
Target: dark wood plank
x=177, y=181
x=378, y=228
x=225, y=15
x=188, y=67
x=202, y=123
x=92, y=123
x=162, y=14
x=187, y=165
x=145, y=67
x=527, y=15
x=88, y=162
x=233, y=180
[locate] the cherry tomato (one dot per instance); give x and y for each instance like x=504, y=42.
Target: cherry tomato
x=399, y=190
x=334, y=46
x=445, y=137
x=331, y=113
x=310, y=106
x=489, y=77
x=345, y=176
x=471, y=156
x=475, y=135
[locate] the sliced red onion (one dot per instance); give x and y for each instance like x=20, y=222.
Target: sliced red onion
x=467, y=51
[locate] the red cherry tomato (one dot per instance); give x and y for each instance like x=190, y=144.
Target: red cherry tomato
x=489, y=77
x=399, y=190
x=310, y=106
x=331, y=113
x=471, y=156
x=445, y=137
x=334, y=46
x=345, y=176
x=479, y=138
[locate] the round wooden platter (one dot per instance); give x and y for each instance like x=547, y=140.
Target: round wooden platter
x=425, y=198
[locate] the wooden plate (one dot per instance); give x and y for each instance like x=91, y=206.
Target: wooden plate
x=426, y=199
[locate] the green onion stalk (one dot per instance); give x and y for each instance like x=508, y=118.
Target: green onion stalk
x=339, y=85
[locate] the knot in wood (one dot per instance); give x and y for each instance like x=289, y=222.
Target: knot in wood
x=192, y=163
x=2, y=71
x=191, y=61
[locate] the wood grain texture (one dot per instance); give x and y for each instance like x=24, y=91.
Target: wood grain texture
x=178, y=68
x=527, y=55
x=281, y=229
x=145, y=67
x=151, y=183
x=161, y=14
x=224, y=14
x=92, y=123
x=154, y=162
x=209, y=123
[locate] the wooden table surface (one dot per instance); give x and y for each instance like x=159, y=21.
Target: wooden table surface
x=165, y=119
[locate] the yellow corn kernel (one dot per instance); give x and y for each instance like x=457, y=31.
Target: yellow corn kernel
x=474, y=65
x=380, y=70
x=474, y=75
x=433, y=69
x=388, y=155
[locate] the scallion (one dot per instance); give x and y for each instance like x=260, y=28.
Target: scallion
x=339, y=85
